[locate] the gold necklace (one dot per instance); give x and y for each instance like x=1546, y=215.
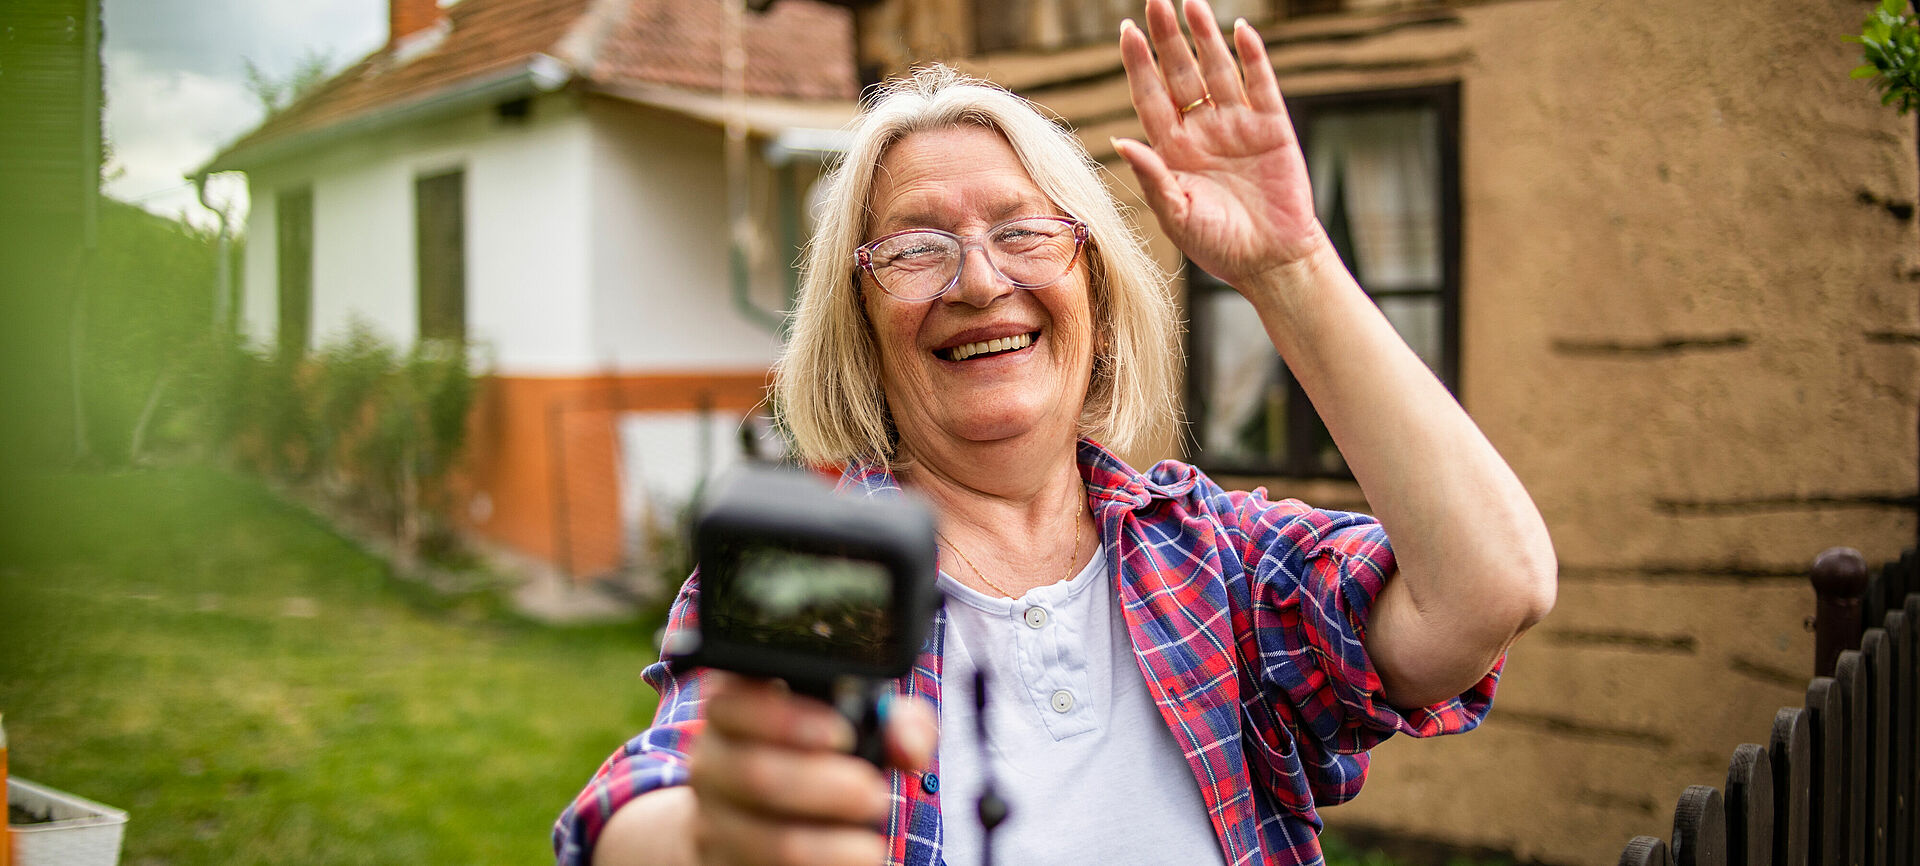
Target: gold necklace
x=1072, y=553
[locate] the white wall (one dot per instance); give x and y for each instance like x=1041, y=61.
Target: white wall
x=526, y=234
x=259, y=281
x=596, y=240
x=662, y=283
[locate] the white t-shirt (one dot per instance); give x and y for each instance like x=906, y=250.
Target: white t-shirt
x=1079, y=752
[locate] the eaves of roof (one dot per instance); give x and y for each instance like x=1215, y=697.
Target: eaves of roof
x=540, y=74
x=497, y=50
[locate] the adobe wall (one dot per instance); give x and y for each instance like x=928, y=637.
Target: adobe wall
x=1691, y=320
x=1692, y=333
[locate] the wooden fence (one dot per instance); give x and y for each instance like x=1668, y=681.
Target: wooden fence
x=1838, y=781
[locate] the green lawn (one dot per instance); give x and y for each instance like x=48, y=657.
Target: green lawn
x=254, y=689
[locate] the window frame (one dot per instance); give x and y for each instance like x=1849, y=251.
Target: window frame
x=442, y=319
x=1304, y=429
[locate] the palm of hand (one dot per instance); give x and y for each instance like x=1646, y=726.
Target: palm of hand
x=1244, y=202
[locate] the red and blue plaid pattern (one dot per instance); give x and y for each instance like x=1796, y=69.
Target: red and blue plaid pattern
x=1247, y=618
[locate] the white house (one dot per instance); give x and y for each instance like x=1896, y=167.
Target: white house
x=554, y=181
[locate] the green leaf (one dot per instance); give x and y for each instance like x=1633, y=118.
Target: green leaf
x=1864, y=71
x=1893, y=7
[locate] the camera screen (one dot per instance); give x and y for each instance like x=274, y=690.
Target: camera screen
x=828, y=606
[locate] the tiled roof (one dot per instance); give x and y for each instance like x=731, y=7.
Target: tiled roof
x=796, y=49
x=799, y=49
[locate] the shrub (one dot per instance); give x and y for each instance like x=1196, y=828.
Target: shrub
x=1890, y=42
x=371, y=430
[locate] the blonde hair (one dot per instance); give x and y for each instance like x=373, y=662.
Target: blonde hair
x=827, y=383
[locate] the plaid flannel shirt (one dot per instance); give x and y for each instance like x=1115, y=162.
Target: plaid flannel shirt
x=1247, y=618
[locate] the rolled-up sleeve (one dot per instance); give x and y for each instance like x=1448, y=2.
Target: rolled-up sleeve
x=654, y=759
x=1315, y=575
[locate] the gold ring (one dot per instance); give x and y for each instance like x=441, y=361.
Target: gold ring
x=1204, y=100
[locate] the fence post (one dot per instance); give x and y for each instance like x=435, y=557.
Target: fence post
x=1839, y=576
x=1700, y=828
x=1912, y=613
x=1900, y=722
x=1873, y=646
x=1850, y=672
x=1790, y=747
x=1826, y=803
x=1751, y=815
x=1645, y=851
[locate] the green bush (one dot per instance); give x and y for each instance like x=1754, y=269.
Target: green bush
x=372, y=430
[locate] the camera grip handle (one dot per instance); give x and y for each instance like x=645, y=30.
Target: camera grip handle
x=858, y=700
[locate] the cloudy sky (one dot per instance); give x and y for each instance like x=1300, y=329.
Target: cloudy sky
x=176, y=81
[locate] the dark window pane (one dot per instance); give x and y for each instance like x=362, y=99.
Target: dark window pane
x=440, y=235
x=293, y=239
x=1246, y=407
x=1312, y=7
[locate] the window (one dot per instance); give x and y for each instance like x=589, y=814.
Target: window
x=440, y=239
x=1385, y=170
x=293, y=238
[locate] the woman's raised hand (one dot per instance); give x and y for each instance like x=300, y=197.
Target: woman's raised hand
x=1224, y=174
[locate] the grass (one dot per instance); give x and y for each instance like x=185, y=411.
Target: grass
x=253, y=688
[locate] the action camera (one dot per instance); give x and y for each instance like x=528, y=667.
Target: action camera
x=832, y=593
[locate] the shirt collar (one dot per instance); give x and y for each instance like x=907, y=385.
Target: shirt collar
x=1108, y=478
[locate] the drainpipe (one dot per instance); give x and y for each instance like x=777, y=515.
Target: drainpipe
x=733, y=90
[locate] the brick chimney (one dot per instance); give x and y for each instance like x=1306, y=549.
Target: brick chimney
x=406, y=18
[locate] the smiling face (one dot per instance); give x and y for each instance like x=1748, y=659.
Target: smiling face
x=987, y=362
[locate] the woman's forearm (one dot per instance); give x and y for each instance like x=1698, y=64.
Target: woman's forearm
x=653, y=829
x=1476, y=567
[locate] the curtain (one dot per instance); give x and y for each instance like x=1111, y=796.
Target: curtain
x=1244, y=370
x=1385, y=164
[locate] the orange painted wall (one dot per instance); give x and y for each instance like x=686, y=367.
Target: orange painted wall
x=525, y=427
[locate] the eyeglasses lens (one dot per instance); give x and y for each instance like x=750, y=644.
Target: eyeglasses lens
x=1030, y=253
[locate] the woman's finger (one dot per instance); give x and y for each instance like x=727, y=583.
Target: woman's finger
x=1149, y=93
x=735, y=837
x=1156, y=181
x=912, y=734
x=1182, y=73
x=1263, y=91
x=789, y=784
x=1216, y=62
x=765, y=711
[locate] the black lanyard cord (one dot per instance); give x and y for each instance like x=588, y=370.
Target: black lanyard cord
x=992, y=809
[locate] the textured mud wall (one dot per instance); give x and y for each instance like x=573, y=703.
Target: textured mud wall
x=1688, y=321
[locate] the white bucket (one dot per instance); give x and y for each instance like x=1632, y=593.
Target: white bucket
x=82, y=832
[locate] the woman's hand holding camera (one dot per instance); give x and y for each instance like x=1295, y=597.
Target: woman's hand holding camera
x=771, y=781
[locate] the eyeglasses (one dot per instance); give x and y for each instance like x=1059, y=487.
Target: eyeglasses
x=923, y=264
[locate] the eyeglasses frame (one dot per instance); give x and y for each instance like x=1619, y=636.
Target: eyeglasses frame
x=863, y=255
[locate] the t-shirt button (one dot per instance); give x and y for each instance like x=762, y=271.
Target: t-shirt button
x=1062, y=701
x=930, y=783
x=1036, y=617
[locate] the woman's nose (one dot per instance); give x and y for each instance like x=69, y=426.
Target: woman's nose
x=979, y=283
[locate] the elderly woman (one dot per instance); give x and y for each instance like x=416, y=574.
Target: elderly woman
x=1179, y=673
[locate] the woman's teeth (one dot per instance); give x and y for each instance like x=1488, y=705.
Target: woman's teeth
x=984, y=347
